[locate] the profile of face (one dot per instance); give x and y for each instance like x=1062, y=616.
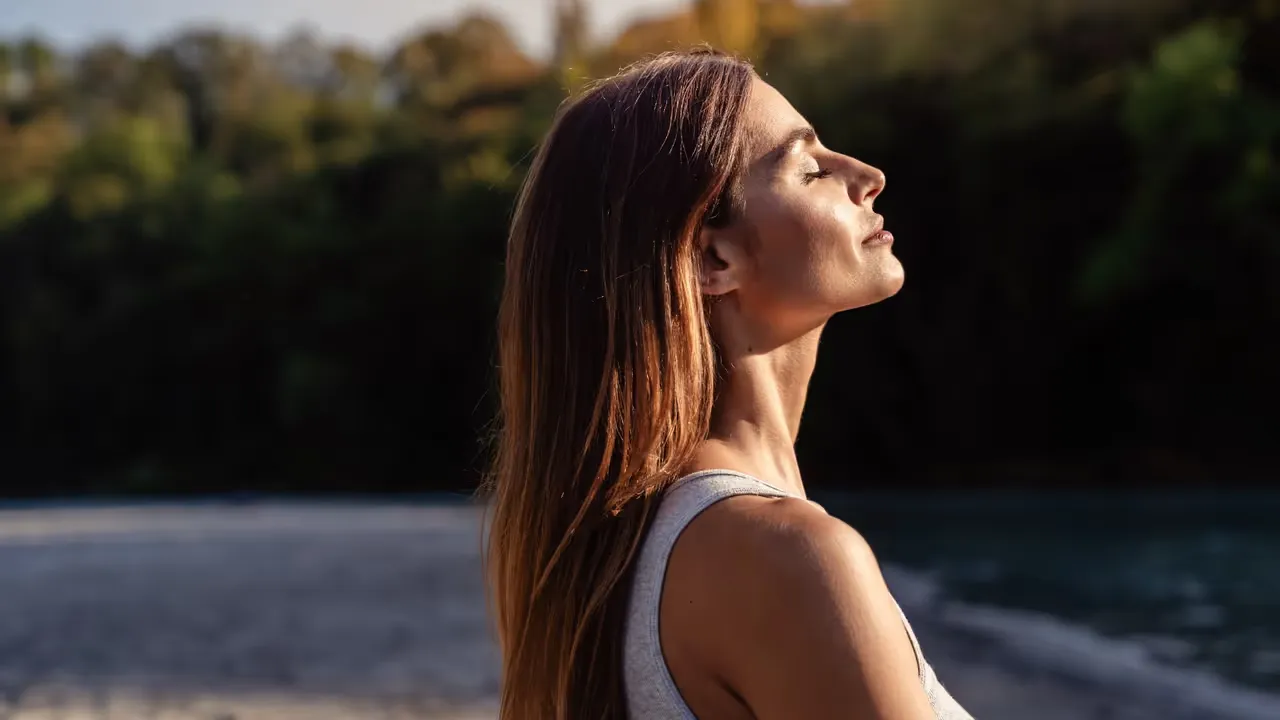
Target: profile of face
x=804, y=242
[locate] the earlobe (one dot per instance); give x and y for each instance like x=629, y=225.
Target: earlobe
x=718, y=269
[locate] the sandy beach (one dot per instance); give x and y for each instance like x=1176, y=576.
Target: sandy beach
x=290, y=610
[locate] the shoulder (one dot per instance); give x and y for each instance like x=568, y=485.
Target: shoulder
x=786, y=528
x=787, y=605
x=774, y=549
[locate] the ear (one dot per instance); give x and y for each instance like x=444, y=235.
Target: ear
x=723, y=262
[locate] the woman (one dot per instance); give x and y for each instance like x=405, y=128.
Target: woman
x=680, y=242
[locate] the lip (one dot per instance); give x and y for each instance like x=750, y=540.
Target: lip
x=878, y=236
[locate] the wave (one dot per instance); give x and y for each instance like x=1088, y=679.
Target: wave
x=1052, y=644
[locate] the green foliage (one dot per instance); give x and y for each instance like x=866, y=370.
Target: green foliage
x=131, y=159
x=228, y=266
x=1184, y=96
x=1200, y=137
x=18, y=200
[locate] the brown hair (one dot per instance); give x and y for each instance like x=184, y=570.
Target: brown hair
x=606, y=365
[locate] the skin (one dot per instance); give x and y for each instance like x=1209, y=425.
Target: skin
x=772, y=609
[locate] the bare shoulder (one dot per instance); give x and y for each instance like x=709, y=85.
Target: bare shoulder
x=786, y=605
x=767, y=550
x=783, y=529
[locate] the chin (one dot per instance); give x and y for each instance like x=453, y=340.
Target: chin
x=878, y=284
x=893, y=279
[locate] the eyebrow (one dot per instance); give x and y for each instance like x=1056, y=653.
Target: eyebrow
x=804, y=134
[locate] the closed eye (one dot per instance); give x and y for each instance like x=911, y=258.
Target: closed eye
x=816, y=175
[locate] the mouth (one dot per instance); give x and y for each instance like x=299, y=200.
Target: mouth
x=879, y=236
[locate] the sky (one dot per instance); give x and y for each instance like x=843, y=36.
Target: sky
x=374, y=24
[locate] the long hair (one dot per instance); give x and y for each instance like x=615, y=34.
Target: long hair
x=606, y=365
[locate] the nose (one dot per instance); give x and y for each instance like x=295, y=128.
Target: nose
x=865, y=183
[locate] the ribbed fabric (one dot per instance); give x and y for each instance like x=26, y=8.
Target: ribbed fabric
x=651, y=691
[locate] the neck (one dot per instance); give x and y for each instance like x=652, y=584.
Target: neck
x=758, y=408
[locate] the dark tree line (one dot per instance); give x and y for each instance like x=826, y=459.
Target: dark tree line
x=232, y=266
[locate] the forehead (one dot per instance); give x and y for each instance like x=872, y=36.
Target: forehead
x=770, y=118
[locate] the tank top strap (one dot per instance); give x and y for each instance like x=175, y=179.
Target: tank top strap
x=705, y=487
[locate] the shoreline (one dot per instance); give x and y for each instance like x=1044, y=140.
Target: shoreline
x=268, y=611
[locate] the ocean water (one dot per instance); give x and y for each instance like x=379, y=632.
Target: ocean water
x=1183, y=580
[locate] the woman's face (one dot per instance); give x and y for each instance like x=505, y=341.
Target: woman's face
x=806, y=243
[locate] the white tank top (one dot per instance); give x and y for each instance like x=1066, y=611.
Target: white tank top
x=650, y=690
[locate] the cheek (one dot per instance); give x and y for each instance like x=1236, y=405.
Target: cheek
x=824, y=234
x=803, y=250
x=789, y=241
x=838, y=225
x=826, y=264
x=808, y=255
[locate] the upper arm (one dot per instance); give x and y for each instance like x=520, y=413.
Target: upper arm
x=808, y=627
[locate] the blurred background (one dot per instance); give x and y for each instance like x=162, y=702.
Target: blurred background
x=250, y=256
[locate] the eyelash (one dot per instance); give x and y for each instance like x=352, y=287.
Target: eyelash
x=817, y=175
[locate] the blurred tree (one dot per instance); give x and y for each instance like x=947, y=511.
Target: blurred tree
x=274, y=142
x=302, y=60
x=105, y=76
x=343, y=123
x=871, y=10
x=8, y=67
x=439, y=68
x=228, y=265
x=132, y=158
x=1187, y=106
x=570, y=51
x=220, y=78
x=957, y=39
x=30, y=155
x=731, y=25
x=780, y=17
x=39, y=65
x=36, y=131
x=646, y=36
x=354, y=77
